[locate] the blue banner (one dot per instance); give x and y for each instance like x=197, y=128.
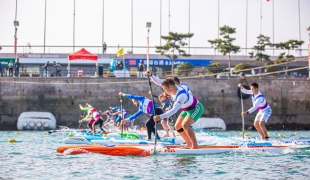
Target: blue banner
x=167, y=62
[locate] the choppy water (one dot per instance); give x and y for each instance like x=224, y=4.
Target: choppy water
x=35, y=157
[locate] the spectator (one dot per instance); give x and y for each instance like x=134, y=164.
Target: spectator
x=121, y=65
x=1, y=72
x=46, y=68
x=141, y=69
x=17, y=65
x=104, y=48
x=11, y=68
x=58, y=69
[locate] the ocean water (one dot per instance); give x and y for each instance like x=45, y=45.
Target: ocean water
x=35, y=157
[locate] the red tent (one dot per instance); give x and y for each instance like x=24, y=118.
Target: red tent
x=82, y=55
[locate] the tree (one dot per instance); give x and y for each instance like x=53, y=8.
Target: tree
x=185, y=68
x=225, y=45
x=288, y=45
x=271, y=68
x=241, y=66
x=262, y=42
x=215, y=68
x=175, y=41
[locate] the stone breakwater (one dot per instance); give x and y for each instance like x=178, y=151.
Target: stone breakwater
x=288, y=98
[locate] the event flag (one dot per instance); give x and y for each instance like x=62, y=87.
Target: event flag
x=120, y=52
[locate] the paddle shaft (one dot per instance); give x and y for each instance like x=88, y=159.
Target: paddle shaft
x=242, y=111
x=148, y=78
x=122, y=122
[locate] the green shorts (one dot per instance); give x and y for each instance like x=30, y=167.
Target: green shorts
x=194, y=113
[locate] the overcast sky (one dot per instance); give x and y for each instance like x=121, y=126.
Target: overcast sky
x=117, y=22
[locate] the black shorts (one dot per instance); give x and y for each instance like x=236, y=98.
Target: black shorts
x=100, y=122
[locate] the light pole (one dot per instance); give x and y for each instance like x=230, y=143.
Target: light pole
x=16, y=24
x=148, y=26
x=308, y=29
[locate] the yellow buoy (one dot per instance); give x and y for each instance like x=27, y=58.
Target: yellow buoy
x=269, y=133
x=45, y=133
x=12, y=140
x=69, y=135
x=105, y=135
x=246, y=134
x=33, y=134
x=16, y=132
x=280, y=135
x=214, y=132
x=295, y=132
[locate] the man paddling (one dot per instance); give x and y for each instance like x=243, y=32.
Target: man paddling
x=145, y=106
x=191, y=109
x=260, y=104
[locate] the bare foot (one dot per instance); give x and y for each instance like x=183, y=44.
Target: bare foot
x=194, y=147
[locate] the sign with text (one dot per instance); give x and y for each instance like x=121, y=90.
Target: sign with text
x=167, y=62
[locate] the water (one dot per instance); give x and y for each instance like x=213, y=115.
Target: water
x=35, y=157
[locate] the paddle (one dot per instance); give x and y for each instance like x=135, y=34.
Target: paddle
x=242, y=116
x=148, y=78
x=122, y=116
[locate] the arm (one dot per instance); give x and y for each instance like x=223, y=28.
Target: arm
x=84, y=108
x=255, y=105
x=134, y=116
x=87, y=117
x=156, y=80
x=138, y=98
x=245, y=91
x=176, y=106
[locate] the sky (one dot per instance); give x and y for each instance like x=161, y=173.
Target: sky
x=110, y=21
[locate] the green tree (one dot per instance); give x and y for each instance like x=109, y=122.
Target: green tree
x=175, y=41
x=241, y=66
x=258, y=54
x=271, y=68
x=289, y=45
x=185, y=69
x=225, y=44
x=215, y=68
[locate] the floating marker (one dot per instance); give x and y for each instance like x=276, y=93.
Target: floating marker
x=280, y=134
x=105, y=135
x=214, y=132
x=269, y=133
x=295, y=132
x=69, y=135
x=45, y=133
x=17, y=132
x=246, y=134
x=12, y=140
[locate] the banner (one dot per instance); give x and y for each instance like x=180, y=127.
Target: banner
x=167, y=62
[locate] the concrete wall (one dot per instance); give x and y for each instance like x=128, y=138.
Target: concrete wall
x=288, y=98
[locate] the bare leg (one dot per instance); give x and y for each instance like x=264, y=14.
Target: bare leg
x=93, y=127
x=187, y=122
x=263, y=129
x=258, y=128
x=164, y=124
x=178, y=125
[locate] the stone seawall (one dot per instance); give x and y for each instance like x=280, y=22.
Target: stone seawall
x=288, y=98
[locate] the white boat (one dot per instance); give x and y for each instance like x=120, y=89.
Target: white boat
x=36, y=121
x=210, y=123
